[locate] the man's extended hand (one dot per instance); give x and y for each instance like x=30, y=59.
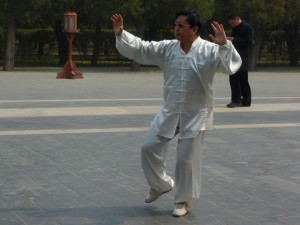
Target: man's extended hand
x=117, y=24
x=220, y=36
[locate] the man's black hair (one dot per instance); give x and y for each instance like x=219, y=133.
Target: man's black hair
x=192, y=17
x=232, y=16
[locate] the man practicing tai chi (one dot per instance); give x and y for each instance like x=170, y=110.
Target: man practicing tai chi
x=189, y=64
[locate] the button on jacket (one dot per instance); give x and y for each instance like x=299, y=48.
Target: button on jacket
x=188, y=80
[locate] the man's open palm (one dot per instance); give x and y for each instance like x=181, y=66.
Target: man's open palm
x=117, y=24
x=220, y=36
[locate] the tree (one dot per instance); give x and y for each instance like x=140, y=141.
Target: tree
x=52, y=12
x=291, y=27
x=10, y=14
x=15, y=11
x=150, y=19
x=96, y=15
x=146, y=14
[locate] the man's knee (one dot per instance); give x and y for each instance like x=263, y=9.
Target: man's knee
x=146, y=147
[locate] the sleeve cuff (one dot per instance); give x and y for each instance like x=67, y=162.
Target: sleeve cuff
x=226, y=46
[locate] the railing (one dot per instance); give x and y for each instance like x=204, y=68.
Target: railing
x=271, y=53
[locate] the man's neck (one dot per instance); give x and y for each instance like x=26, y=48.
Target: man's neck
x=186, y=46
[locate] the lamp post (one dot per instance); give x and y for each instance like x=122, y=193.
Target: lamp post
x=70, y=28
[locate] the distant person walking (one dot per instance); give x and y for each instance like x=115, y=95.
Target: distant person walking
x=189, y=64
x=242, y=39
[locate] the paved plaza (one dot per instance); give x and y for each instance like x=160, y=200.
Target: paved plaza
x=70, y=151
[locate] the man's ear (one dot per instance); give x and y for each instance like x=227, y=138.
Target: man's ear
x=196, y=29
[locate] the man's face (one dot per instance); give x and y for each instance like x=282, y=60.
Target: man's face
x=234, y=22
x=182, y=29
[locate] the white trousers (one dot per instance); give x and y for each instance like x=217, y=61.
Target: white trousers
x=188, y=166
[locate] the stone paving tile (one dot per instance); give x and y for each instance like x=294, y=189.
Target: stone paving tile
x=250, y=176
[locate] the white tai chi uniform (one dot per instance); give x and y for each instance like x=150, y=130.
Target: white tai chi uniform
x=187, y=109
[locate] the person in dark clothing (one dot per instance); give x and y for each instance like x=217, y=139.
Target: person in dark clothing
x=242, y=39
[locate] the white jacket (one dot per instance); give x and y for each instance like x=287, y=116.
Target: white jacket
x=188, y=79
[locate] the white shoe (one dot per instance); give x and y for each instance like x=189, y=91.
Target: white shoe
x=154, y=195
x=180, y=209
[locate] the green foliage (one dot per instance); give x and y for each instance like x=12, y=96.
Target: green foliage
x=292, y=11
x=154, y=18
x=134, y=8
x=93, y=12
x=1, y=35
x=261, y=14
x=204, y=7
x=35, y=35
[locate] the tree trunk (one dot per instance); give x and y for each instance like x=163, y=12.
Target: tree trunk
x=255, y=50
x=9, y=59
x=62, y=42
x=96, y=49
x=140, y=30
x=291, y=35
